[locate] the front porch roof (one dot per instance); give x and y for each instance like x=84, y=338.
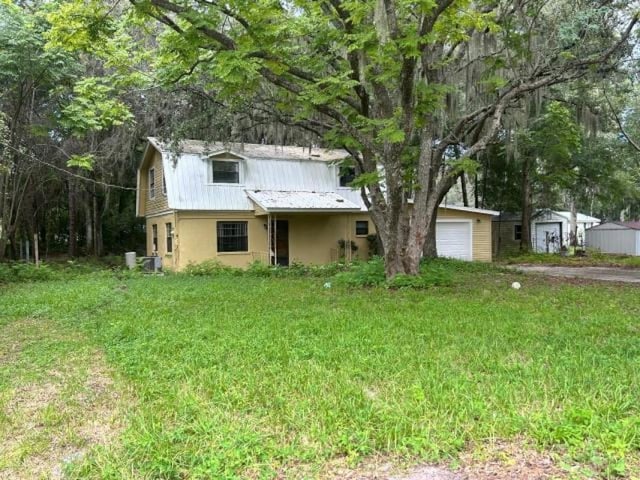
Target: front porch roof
x=276, y=201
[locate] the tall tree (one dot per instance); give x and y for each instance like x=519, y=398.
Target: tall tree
x=387, y=75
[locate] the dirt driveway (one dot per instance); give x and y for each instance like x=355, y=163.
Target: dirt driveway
x=608, y=274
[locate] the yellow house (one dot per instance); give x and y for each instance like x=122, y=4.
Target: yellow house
x=240, y=203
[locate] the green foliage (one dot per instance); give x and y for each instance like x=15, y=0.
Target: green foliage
x=81, y=161
x=93, y=108
x=25, y=272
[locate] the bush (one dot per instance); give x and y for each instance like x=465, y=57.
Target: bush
x=210, y=268
x=363, y=274
x=25, y=272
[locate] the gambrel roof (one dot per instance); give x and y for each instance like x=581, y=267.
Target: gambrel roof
x=272, y=178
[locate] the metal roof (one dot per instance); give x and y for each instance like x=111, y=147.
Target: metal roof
x=581, y=217
x=617, y=225
x=273, y=201
x=251, y=150
x=462, y=208
x=516, y=216
x=295, y=178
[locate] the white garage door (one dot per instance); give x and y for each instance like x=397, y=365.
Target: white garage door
x=453, y=239
x=548, y=234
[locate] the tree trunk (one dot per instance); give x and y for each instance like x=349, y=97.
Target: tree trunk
x=430, y=250
x=73, y=233
x=463, y=186
x=525, y=241
x=476, y=198
x=88, y=226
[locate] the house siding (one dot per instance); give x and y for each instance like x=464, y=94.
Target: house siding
x=503, y=239
x=480, y=231
x=158, y=204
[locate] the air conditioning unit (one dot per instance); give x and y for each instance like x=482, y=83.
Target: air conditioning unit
x=151, y=264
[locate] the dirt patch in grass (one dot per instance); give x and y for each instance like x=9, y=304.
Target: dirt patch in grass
x=53, y=417
x=500, y=460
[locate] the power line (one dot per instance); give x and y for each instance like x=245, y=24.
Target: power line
x=33, y=158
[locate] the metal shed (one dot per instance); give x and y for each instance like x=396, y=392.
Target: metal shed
x=615, y=237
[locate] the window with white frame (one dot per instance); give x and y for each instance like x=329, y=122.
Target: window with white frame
x=225, y=171
x=152, y=183
x=164, y=185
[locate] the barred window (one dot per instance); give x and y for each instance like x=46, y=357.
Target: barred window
x=225, y=172
x=362, y=227
x=232, y=237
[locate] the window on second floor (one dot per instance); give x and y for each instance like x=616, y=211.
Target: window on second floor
x=347, y=175
x=152, y=183
x=225, y=171
x=164, y=185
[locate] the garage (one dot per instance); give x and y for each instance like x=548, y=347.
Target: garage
x=454, y=239
x=548, y=237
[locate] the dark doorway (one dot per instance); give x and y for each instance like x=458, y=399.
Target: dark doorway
x=280, y=242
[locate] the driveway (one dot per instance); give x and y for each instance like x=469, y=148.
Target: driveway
x=608, y=274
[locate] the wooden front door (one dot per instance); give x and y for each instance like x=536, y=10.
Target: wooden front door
x=280, y=242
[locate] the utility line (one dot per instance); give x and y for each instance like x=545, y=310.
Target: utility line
x=33, y=158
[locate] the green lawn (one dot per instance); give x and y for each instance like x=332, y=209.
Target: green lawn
x=591, y=259
x=247, y=377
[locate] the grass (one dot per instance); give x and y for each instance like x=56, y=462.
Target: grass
x=250, y=376
x=591, y=259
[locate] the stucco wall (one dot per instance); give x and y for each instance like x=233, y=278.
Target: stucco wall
x=150, y=206
x=313, y=239
x=481, y=231
x=169, y=260
x=198, y=238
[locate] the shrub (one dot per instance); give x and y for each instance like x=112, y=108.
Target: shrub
x=363, y=274
x=210, y=268
x=25, y=272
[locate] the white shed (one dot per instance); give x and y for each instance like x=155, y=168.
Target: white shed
x=615, y=237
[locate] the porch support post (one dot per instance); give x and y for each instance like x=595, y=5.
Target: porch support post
x=269, y=239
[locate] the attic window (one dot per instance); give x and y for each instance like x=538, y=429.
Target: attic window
x=225, y=171
x=347, y=175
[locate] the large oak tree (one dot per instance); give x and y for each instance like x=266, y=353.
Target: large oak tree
x=414, y=90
